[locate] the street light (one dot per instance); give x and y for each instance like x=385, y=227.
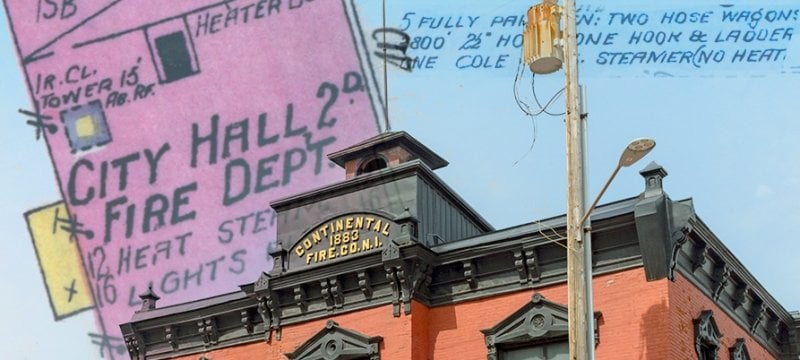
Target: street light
x=634, y=152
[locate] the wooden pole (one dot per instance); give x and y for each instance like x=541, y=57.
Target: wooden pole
x=576, y=284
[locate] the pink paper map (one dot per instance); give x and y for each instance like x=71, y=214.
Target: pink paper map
x=171, y=126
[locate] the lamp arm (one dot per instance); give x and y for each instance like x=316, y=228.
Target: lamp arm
x=600, y=195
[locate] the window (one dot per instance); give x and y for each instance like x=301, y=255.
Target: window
x=706, y=336
x=371, y=165
x=336, y=343
x=537, y=331
x=548, y=351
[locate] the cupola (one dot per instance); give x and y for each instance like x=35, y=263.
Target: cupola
x=386, y=150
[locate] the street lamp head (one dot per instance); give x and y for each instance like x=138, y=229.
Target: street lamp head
x=636, y=150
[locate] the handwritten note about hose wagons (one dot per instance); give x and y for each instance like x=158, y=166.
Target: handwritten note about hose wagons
x=174, y=124
x=616, y=39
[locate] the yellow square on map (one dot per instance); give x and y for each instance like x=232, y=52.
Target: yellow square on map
x=84, y=126
x=59, y=261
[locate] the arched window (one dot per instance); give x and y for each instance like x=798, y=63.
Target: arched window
x=371, y=165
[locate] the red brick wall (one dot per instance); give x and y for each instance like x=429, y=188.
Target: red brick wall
x=634, y=323
x=635, y=316
x=687, y=303
x=420, y=326
x=454, y=331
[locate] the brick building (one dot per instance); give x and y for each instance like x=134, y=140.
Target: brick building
x=392, y=264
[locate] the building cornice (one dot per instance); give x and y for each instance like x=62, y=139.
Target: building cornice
x=704, y=261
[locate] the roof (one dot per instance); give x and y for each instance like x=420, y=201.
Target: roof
x=389, y=139
x=189, y=306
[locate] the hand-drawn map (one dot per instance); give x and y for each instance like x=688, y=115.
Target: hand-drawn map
x=171, y=126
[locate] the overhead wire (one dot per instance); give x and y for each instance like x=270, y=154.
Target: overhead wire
x=526, y=108
x=558, y=239
x=522, y=105
x=549, y=102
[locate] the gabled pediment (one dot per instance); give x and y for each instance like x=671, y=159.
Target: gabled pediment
x=537, y=320
x=706, y=329
x=334, y=342
x=739, y=350
x=706, y=334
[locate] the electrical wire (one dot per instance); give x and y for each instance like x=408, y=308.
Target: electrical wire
x=555, y=240
x=525, y=107
x=533, y=142
x=553, y=98
x=522, y=105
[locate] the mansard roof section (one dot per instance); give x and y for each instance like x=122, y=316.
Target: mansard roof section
x=401, y=171
x=602, y=212
x=389, y=140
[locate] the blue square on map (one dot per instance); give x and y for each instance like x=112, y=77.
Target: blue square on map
x=86, y=126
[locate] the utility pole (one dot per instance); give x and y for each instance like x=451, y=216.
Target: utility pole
x=542, y=51
x=576, y=268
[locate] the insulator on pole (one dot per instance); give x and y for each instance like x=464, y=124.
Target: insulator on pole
x=541, y=40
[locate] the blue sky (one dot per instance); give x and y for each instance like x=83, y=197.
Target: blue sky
x=726, y=133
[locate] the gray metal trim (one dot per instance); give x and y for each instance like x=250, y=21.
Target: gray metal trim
x=705, y=233
x=740, y=299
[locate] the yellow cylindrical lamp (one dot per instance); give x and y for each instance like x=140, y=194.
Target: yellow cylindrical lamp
x=541, y=39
